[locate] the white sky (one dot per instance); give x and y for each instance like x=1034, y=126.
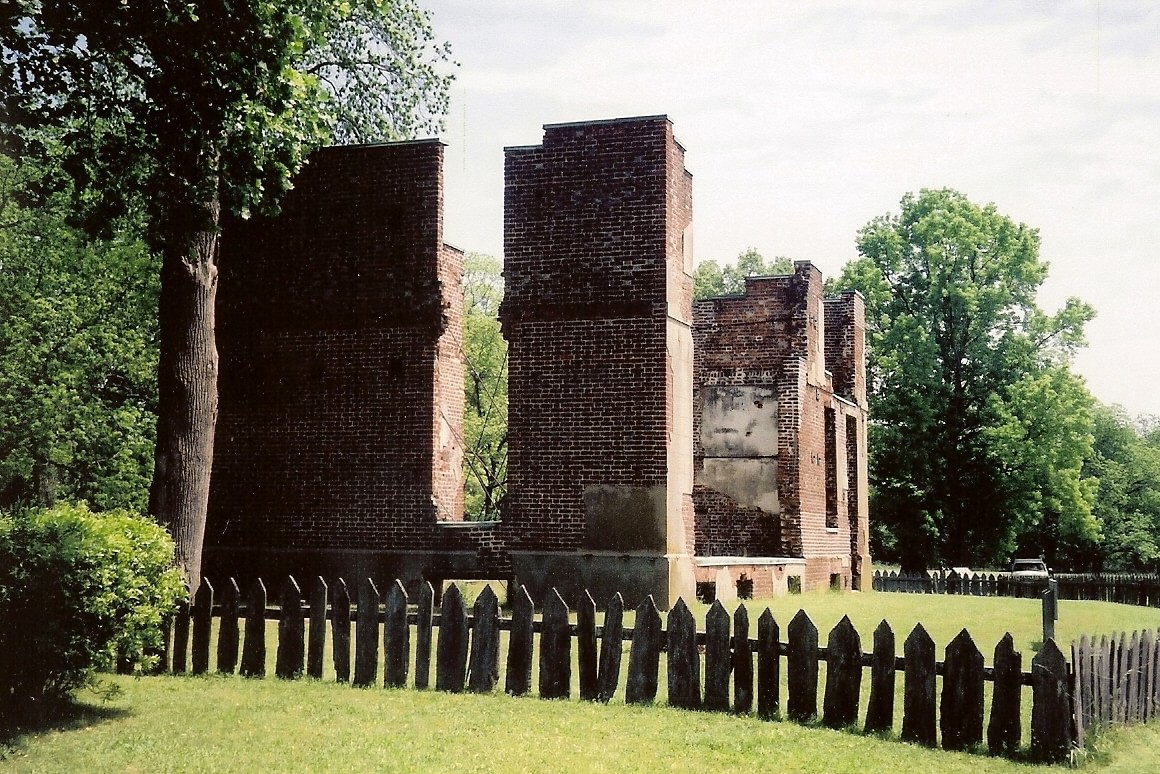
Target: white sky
x=804, y=120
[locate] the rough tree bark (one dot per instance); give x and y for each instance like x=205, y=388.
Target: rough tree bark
x=187, y=394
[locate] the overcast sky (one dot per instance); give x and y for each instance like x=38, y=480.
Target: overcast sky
x=804, y=120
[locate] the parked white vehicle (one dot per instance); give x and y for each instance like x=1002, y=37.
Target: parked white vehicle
x=1029, y=568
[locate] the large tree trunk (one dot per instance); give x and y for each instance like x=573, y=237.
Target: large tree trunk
x=187, y=395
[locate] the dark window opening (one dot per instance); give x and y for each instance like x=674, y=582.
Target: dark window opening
x=831, y=469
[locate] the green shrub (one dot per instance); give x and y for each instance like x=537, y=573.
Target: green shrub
x=79, y=592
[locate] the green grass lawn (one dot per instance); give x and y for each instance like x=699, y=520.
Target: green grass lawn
x=214, y=724
x=228, y=723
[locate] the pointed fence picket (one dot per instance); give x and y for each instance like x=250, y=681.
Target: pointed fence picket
x=586, y=647
x=880, y=711
x=608, y=675
x=1110, y=680
x=683, y=660
x=742, y=662
x=483, y=666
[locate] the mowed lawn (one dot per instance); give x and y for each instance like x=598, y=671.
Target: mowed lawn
x=233, y=724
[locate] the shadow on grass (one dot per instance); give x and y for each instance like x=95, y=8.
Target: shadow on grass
x=67, y=716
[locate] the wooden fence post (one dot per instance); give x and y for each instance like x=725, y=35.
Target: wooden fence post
x=340, y=631
x=555, y=649
x=451, y=656
x=718, y=657
x=1003, y=731
x=425, y=612
x=880, y=710
x=1048, y=614
x=1119, y=678
x=366, y=635
x=1150, y=677
x=202, y=623
x=181, y=636
x=586, y=647
x=684, y=661
x=742, y=663
x=961, y=710
x=843, y=675
x=483, y=669
x=291, y=633
x=254, y=644
x=227, y=647
x=1082, y=687
x=611, y=642
x=918, y=708
x=397, y=637
x=802, y=668
x=519, y=663
x=1105, y=685
x=316, y=641
x=1050, y=707
x=1131, y=669
x=644, y=655
x=768, y=666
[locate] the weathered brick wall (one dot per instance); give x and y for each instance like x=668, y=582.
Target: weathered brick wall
x=597, y=287
x=773, y=346
x=845, y=316
x=339, y=327
x=340, y=330
x=846, y=356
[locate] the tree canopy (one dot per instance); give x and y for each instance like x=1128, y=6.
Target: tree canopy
x=979, y=428
x=712, y=279
x=78, y=356
x=1126, y=460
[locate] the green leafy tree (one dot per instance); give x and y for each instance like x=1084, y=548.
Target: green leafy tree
x=485, y=417
x=979, y=428
x=1127, y=464
x=78, y=357
x=183, y=108
x=712, y=279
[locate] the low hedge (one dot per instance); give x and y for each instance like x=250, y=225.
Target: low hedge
x=79, y=592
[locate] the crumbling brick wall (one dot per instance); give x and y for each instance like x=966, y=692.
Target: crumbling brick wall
x=341, y=389
x=845, y=316
x=771, y=453
x=339, y=446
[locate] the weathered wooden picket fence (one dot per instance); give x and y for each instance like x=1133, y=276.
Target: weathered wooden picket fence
x=1116, y=680
x=1130, y=589
x=467, y=654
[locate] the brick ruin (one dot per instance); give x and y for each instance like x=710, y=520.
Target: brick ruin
x=780, y=441
x=597, y=314
x=654, y=443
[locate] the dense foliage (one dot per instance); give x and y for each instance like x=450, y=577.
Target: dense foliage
x=711, y=279
x=79, y=591
x=1126, y=460
x=78, y=356
x=486, y=410
x=979, y=428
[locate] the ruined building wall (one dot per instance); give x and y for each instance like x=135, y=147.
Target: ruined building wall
x=772, y=454
x=596, y=314
x=341, y=389
x=340, y=328
x=845, y=316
